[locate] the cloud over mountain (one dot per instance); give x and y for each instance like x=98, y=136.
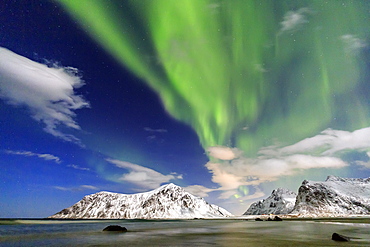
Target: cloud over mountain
x=142, y=176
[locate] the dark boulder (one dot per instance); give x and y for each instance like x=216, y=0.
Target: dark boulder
x=258, y=219
x=115, y=228
x=269, y=219
x=338, y=237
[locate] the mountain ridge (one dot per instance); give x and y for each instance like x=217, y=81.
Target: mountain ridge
x=167, y=201
x=281, y=201
x=336, y=196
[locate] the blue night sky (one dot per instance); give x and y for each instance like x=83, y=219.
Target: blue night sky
x=229, y=100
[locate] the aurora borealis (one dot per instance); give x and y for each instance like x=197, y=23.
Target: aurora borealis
x=276, y=91
x=221, y=66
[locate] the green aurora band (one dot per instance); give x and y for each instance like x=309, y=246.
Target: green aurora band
x=241, y=73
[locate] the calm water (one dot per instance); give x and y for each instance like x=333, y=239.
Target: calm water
x=224, y=232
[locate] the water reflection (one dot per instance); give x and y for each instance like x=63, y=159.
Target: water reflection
x=182, y=233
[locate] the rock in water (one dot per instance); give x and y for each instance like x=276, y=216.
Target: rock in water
x=115, y=228
x=168, y=201
x=338, y=237
x=334, y=197
x=277, y=218
x=281, y=201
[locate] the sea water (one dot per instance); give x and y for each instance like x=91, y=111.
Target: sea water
x=197, y=232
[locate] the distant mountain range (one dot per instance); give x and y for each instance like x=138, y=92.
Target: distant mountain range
x=168, y=201
x=334, y=197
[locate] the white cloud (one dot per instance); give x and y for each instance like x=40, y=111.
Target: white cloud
x=155, y=130
x=61, y=188
x=48, y=93
x=352, y=44
x=142, y=176
x=48, y=157
x=247, y=171
x=329, y=142
x=260, y=68
x=78, y=167
x=178, y=176
x=228, y=180
x=303, y=162
x=79, y=188
x=365, y=165
x=345, y=140
x=242, y=196
x=258, y=194
x=89, y=187
x=274, y=162
x=223, y=153
x=293, y=20
x=203, y=191
x=198, y=190
x=226, y=194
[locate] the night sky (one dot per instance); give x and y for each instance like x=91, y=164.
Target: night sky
x=228, y=99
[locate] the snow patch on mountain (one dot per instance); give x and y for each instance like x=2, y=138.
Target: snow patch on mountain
x=334, y=197
x=168, y=201
x=281, y=201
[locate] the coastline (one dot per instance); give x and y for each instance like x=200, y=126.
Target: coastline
x=242, y=217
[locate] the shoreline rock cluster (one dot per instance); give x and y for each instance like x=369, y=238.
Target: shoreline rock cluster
x=276, y=218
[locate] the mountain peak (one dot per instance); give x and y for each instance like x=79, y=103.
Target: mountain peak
x=334, y=178
x=336, y=196
x=170, y=185
x=281, y=201
x=167, y=201
x=282, y=191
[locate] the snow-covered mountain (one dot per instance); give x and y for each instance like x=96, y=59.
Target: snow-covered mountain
x=334, y=197
x=168, y=201
x=281, y=201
